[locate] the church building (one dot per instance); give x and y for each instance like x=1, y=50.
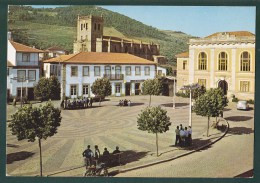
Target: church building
x=90, y=38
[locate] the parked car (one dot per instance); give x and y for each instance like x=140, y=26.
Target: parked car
x=242, y=105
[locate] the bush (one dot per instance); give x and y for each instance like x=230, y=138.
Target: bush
x=182, y=94
x=251, y=101
x=234, y=99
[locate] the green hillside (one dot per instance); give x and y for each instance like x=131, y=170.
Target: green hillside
x=44, y=28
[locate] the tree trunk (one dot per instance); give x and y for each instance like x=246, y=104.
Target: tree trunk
x=150, y=100
x=157, y=144
x=208, y=127
x=40, y=146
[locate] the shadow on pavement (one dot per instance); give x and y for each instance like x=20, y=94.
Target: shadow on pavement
x=240, y=131
x=176, y=104
x=12, y=145
x=131, y=156
x=133, y=104
x=18, y=156
x=226, y=109
x=238, y=118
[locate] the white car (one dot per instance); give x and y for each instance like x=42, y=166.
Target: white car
x=242, y=105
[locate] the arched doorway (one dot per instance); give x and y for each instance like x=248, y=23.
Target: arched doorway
x=224, y=85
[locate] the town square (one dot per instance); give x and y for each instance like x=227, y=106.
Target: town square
x=111, y=96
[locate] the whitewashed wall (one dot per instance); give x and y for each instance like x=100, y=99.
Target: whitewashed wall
x=80, y=79
x=11, y=53
x=34, y=59
x=13, y=84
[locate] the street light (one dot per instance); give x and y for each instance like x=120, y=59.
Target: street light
x=174, y=91
x=190, y=88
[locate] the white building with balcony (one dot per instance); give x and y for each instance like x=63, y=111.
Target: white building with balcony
x=77, y=72
x=22, y=69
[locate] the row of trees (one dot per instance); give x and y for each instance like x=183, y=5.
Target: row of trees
x=154, y=120
x=49, y=88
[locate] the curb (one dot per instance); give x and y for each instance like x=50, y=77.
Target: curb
x=179, y=156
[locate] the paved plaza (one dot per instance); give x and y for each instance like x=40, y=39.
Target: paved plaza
x=108, y=126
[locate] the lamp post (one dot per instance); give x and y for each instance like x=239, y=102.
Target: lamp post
x=174, y=91
x=190, y=88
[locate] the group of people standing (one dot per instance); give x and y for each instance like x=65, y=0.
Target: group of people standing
x=183, y=136
x=77, y=103
x=124, y=103
x=94, y=158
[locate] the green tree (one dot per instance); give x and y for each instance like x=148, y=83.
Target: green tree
x=154, y=120
x=101, y=88
x=197, y=92
x=152, y=87
x=55, y=89
x=47, y=88
x=35, y=123
x=210, y=104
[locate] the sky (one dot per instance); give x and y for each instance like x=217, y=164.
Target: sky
x=197, y=21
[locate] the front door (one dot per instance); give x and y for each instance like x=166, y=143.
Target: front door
x=223, y=85
x=127, y=89
x=137, y=88
x=118, y=89
x=30, y=94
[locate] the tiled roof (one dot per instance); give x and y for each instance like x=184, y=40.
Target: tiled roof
x=183, y=55
x=235, y=33
x=22, y=48
x=100, y=58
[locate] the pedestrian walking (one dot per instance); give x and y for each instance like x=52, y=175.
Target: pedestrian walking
x=177, y=139
x=129, y=103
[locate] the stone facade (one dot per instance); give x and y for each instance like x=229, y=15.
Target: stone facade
x=90, y=38
x=225, y=60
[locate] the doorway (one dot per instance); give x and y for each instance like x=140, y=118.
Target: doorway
x=30, y=94
x=137, y=88
x=224, y=86
x=127, y=89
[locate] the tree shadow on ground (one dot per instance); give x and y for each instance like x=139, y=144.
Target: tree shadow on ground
x=18, y=156
x=240, y=131
x=132, y=104
x=196, y=143
x=238, y=118
x=176, y=104
x=12, y=145
x=225, y=109
x=129, y=156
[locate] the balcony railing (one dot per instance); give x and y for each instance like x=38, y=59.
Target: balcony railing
x=114, y=76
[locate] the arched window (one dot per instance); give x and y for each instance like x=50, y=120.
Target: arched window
x=202, y=61
x=245, y=61
x=222, y=61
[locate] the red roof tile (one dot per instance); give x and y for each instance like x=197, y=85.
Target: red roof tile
x=100, y=58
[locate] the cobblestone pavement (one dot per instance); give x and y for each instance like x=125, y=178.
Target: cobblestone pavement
x=105, y=126
x=229, y=157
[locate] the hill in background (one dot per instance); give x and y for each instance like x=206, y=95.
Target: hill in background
x=46, y=27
